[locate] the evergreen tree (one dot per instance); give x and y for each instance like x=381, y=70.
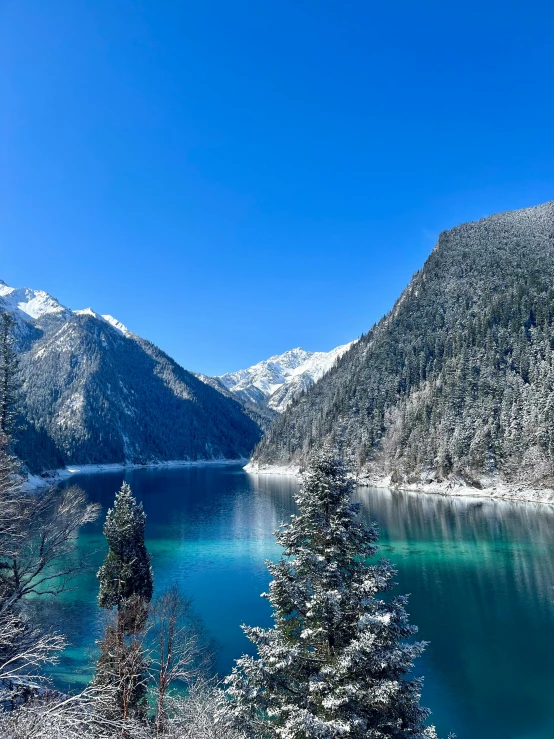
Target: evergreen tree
x=126, y=582
x=9, y=374
x=335, y=662
x=126, y=574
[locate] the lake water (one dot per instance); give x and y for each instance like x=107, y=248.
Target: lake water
x=480, y=574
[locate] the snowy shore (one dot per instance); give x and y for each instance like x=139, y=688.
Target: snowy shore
x=488, y=487
x=53, y=477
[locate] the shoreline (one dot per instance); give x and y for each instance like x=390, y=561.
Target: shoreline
x=490, y=488
x=52, y=477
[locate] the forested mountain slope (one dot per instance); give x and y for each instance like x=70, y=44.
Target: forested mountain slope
x=93, y=392
x=458, y=379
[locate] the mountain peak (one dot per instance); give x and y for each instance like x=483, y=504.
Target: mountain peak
x=278, y=380
x=117, y=324
x=28, y=303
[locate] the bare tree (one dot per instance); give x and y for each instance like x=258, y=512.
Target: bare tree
x=180, y=651
x=81, y=716
x=123, y=667
x=200, y=714
x=204, y=713
x=24, y=649
x=39, y=555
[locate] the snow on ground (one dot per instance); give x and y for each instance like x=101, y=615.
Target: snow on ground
x=491, y=487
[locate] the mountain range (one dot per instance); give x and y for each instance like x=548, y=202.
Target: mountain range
x=457, y=381
x=94, y=392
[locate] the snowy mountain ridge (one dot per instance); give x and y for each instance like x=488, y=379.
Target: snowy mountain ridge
x=26, y=303
x=32, y=304
x=276, y=381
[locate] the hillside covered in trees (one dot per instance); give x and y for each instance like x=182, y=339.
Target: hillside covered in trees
x=93, y=392
x=457, y=381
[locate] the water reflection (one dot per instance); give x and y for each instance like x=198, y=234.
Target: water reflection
x=480, y=574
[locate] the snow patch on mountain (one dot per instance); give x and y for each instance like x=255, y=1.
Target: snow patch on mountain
x=117, y=325
x=87, y=312
x=106, y=318
x=27, y=303
x=278, y=380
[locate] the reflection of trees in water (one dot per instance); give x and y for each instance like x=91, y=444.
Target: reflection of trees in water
x=262, y=504
x=425, y=516
x=481, y=574
x=516, y=540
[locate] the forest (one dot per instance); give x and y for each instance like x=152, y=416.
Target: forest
x=458, y=379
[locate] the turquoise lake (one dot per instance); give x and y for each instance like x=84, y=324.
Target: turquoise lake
x=480, y=574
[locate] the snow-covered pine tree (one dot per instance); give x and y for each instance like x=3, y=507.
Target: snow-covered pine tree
x=126, y=574
x=336, y=660
x=9, y=374
x=126, y=582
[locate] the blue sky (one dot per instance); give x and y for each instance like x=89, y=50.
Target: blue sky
x=234, y=179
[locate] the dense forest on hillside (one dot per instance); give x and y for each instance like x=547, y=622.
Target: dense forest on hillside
x=91, y=394
x=459, y=378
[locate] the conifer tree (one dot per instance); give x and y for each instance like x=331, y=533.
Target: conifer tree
x=126, y=575
x=9, y=374
x=126, y=583
x=335, y=662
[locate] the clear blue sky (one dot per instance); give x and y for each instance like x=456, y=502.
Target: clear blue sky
x=234, y=179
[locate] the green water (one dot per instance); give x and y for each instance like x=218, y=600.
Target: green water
x=480, y=575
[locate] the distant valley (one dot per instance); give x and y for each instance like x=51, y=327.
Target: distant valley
x=94, y=392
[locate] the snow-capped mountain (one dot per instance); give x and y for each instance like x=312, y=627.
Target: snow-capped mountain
x=109, y=319
x=94, y=392
x=24, y=304
x=276, y=381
